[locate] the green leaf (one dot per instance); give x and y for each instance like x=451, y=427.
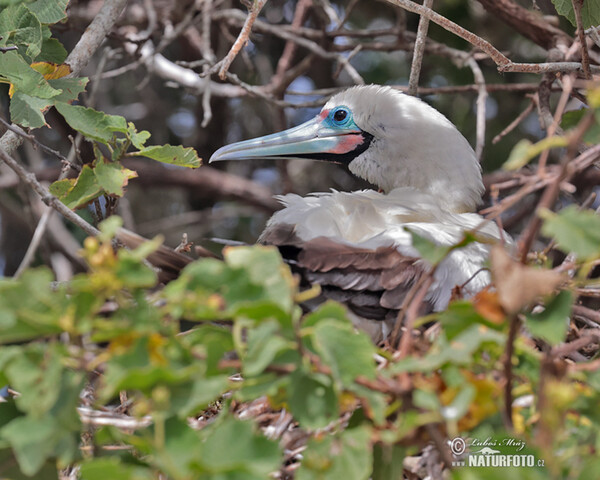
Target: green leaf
x=459, y=316
x=590, y=11
x=458, y=352
x=52, y=51
x=28, y=111
x=572, y=118
x=19, y=26
x=574, y=230
x=312, y=400
x=133, y=273
x=234, y=446
x=138, y=139
x=264, y=344
x=524, y=151
x=347, y=352
x=112, y=177
x=92, y=123
x=76, y=193
x=71, y=88
x=552, y=323
x=31, y=440
x=429, y=250
x=49, y=11
x=24, y=78
x=347, y=455
x=36, y=308
x=265, y=268
x=196, y=396
x=113, y=468
x=171, y=154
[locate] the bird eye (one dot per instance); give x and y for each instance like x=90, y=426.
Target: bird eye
x=340, y=115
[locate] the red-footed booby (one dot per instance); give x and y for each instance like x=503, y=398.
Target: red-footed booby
x=357, y=245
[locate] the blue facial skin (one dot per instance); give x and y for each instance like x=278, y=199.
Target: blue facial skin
x=340, y=117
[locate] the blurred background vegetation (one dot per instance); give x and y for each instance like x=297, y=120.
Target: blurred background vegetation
x=122, y=84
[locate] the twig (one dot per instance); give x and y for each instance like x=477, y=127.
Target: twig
x=481, y=103
x=289, y=49
x=552, y=190
x=508, y=353
x=512, y=125
x=35, y=242
x=498, y=57
x=560, y=108
x=411, y=315
x=242, y=38
x=585, y=57
x=47, y=197
x=19, y=131
x=415, y=69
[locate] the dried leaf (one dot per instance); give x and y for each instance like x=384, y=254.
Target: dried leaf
x=519, y=285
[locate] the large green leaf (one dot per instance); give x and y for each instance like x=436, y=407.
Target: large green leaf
x=113, y=468
x=76, y=193
x=28, y=111
x=71, y=88
x=92, y=123
x=172, y=154
x=312, y=400
x=347, y=352
x=590, y=11
x=264, y=344
x=575, y=230
x=19, y=26
x=49, y=11
x=347, y=455
x=235, y=447
x=112, y=176
x=551, y=324
x=24, y=78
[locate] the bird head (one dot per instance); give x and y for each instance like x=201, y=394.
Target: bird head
x=388, y=138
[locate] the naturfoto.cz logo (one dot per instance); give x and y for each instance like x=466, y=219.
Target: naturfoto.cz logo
x=483, y=453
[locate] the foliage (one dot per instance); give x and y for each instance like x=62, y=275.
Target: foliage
x=39, y=79
x=176, y=371
x=318, y=367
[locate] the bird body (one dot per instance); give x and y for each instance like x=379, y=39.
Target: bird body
x=358, y=245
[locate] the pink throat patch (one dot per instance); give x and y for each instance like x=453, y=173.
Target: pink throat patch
x=347, y=143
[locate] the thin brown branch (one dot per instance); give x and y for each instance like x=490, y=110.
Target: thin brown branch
x=242, y=38
x=552, y=190
x=585, y=56
x=49, y=199
x=515, y=123
x=415, y=69
x=513, y=330
x=498, y=57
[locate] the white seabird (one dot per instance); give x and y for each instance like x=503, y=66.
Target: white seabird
x=357, y=245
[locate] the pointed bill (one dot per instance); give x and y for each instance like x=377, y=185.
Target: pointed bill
x=311, y=140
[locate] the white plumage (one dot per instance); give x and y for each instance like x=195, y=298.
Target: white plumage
x=429, y=179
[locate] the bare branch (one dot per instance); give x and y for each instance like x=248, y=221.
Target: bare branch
x=49, y=199
x=257, y=6
x=415, y=69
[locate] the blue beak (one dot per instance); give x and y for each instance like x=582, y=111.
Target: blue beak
x=311, y=140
